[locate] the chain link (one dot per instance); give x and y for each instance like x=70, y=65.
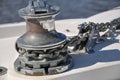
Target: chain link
x=89, y=34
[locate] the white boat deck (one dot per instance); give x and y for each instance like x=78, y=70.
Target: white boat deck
x=104, y=64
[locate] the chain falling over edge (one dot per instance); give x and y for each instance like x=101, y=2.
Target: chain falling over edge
x=89, y=35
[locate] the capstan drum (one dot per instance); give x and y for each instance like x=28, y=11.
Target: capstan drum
x=42, y=50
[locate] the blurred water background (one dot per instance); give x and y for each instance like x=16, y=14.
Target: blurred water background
x=69, y=8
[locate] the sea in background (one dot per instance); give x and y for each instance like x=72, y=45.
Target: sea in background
x=69, y=8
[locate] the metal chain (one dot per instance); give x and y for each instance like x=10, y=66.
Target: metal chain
x=89, y=34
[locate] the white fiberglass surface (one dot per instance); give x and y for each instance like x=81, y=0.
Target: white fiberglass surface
x=104, y=64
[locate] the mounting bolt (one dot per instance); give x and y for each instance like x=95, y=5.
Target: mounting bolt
x=3, y=72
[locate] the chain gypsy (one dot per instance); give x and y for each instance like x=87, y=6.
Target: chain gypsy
x=42, y=50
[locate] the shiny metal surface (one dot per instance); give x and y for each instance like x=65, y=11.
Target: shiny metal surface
x=42, y=50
